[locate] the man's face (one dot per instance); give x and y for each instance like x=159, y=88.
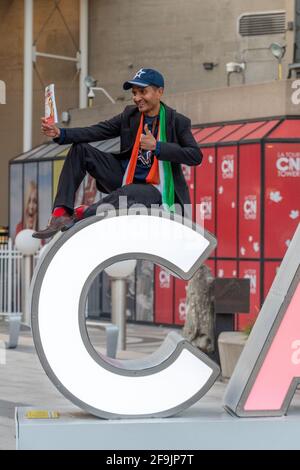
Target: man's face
x=147, y=99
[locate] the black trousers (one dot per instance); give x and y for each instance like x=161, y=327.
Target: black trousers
x=108, y=173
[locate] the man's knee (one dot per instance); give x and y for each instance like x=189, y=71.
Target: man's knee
x=148, y=194
x=80, y=147
x=141, y=194
x=81, y=153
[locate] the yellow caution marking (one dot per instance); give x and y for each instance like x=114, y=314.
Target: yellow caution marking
x=41, y=414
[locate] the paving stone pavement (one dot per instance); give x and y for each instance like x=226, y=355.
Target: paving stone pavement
x=23, y=381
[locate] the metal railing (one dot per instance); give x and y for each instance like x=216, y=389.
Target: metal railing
x=10, y=290
x=10, y=279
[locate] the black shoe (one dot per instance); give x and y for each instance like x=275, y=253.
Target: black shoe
x=75, y=218
x=69, y=224
x=55, y=224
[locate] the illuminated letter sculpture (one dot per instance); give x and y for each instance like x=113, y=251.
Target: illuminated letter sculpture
x=168, y=381
x=268, y=372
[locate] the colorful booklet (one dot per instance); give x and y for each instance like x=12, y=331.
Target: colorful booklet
x=50, y=105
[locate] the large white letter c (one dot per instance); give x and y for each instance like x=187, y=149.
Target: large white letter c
x=176, y=375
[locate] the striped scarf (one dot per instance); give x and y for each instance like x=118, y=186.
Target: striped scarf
x=160, y=174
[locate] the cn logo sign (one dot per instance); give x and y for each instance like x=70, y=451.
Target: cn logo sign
x=227, y=167
x=251, y=275
x=187, y=172
x=250, y=207
x=178, y=375
x=164, y=279
x=206, y=208
x=288, y=165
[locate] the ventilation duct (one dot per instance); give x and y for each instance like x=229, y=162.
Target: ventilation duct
x=262, y=24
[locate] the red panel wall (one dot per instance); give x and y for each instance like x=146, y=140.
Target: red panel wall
x=211, y=264
x=180, y=301
x=227, y=201
x=250, y=270
x=270, y=271
x=225, y=268
x=205, y=190
x=189, y=174
x=180, y=295
x=282, y=196
x=249, y=201
x=221, y=192
x=163, y=296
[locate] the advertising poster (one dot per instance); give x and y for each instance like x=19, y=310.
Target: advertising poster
x=270, y=271
x=180, y=301
x=87, y=194
x=189, y=175
x=249, y=201
x=16, y=199
x=44, y=193
x=205, y=190
x=250, y=270
x=164, y=296
x=282, y=197
x=226, y=229
x=29, y=217
x=57, y=167
x=144, y=290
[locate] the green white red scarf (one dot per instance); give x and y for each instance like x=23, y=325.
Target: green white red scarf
x=160, y=174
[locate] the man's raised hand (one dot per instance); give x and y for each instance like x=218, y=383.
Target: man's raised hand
x=49, y=130
x=148, y=142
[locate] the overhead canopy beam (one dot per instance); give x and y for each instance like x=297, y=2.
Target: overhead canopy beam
x=30, y=55
x=84, y=28
x=28, y=75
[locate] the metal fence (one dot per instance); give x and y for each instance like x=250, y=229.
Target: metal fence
x=10, y=279
x=10, y=291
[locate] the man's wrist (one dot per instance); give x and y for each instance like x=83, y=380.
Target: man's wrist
x=60, y=136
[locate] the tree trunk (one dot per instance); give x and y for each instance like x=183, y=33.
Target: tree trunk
x=199, y=325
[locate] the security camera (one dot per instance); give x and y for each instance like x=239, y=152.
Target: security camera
x=65, y=116
x=90, y=81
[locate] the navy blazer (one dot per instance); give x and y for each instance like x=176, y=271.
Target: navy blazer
x=180, y=148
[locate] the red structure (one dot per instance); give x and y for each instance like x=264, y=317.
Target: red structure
x=248, y=191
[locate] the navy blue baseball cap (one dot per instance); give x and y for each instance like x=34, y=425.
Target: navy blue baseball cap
x=145, y=77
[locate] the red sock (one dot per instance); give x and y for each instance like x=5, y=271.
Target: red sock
x=79, y=211
x=59, y=212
